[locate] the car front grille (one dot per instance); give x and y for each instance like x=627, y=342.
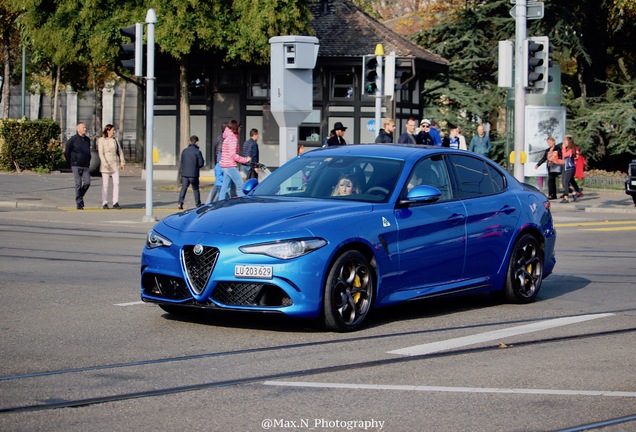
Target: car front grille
x=250, y=294
x=199, y=266
x=632, y=170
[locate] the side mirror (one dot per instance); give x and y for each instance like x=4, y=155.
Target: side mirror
x=421, y=194
x=249, y=185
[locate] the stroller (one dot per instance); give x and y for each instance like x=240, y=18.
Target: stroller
x=263, y=171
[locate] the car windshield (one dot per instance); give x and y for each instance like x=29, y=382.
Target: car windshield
x=368, y=179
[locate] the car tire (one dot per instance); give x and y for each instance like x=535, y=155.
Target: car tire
x=525, y=271
x=349, y=292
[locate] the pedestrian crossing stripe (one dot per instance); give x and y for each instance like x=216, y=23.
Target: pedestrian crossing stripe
x=585, y=224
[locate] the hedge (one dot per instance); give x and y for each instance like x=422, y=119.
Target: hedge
x=30, y=145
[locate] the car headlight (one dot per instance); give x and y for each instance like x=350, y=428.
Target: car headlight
x=155, y=240
x=285, y=249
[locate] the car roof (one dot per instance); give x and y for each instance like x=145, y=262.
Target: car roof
x=397, y=151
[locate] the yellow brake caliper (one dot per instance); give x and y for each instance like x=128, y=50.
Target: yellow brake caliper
x=357, y=284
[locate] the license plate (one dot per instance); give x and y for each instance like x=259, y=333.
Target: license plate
x=253, y=271
x=633, y=182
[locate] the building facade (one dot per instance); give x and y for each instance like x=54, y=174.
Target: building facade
x=219, y=92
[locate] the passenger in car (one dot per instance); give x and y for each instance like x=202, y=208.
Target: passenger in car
x=345, y=186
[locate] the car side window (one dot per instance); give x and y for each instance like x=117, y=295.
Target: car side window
x=498, y=181
x=430, y=171
x=475, y=177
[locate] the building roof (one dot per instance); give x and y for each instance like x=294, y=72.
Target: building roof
x=344, y=30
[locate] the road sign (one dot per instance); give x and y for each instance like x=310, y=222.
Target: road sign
x=534, y=10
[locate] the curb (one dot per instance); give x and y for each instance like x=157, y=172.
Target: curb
x=25, y=205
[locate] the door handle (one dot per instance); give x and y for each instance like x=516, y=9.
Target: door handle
x=456, y=217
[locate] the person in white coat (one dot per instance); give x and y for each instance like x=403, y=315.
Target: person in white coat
x=111, y=158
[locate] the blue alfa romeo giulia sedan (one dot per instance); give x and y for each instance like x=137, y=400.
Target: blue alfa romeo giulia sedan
x=340, y=231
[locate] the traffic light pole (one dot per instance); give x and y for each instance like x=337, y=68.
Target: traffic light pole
x=521, y=13
x=151, y=19
x=378, y=93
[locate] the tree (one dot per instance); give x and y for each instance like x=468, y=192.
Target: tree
x=239, y=34
x=592, y=43
x=465, y=33
x=10, y=41
x=77, y=40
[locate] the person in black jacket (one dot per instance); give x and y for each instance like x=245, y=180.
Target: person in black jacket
x=191, y=163
x=78, y=154
x=338, y=138
x=386, y=135
x=250, y=148
x=423, y=136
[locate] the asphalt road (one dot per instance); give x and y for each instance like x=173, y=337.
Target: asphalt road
x=80, y=352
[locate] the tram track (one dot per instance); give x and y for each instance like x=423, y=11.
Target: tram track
x=81, y=402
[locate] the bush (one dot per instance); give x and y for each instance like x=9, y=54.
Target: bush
x=30, y=145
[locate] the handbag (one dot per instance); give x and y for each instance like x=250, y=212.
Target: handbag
x=554, y=167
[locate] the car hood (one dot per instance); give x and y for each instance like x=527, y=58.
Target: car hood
x=253, y=216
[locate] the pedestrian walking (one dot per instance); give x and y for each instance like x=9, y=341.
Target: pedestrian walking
x=567, y=160
x=230, y=158
x=111, y=161
x=480, y=143
x=191, y=163
x=250, y=148
x=551, y=155
x=213, y=196
x=78, y=154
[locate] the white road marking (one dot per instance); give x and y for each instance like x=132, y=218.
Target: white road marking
x=453, y=389
x=129, y=304
x=494, y=335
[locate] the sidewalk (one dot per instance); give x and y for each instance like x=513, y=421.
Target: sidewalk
x=56, y=191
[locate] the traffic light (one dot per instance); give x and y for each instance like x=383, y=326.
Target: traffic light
x=131, y=54
x=536, y=57
x=369, y=75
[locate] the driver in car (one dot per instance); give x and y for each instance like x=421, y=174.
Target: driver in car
x=345, y=186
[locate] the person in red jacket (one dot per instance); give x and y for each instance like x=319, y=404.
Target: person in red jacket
x=230, y=158
x=567, y=160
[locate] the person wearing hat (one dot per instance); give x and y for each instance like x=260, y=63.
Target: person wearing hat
x=424, y=137
x=338, y=138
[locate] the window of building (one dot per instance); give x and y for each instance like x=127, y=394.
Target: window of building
x=309, y=130
x=166, y=91
x=342, y=85
x=196, y=84
x=317, y=85
x=259, y=85
x=228, y=79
